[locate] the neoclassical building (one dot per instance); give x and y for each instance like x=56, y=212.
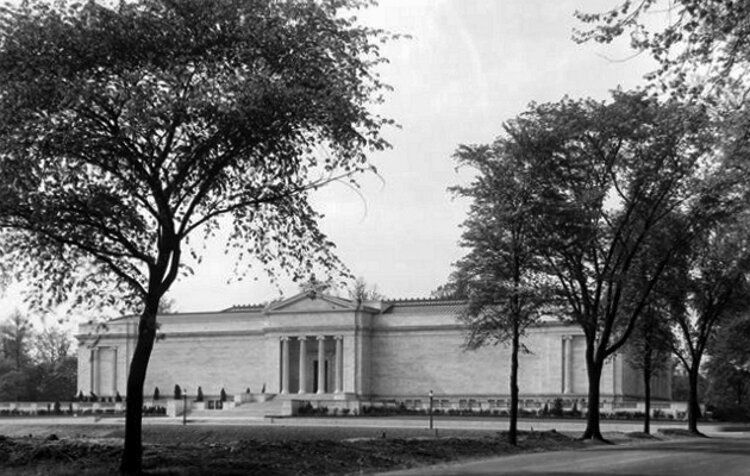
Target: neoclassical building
x=322, y=348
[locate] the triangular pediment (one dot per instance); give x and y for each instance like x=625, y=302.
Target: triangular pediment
x=312, y=302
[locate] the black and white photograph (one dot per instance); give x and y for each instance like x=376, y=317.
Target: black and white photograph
x=375, y=237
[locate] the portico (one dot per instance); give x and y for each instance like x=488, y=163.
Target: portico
x=319, y=365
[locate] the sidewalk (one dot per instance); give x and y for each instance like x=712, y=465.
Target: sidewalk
x=481, y=424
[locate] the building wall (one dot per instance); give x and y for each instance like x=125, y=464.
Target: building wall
x=404, y=352
x=213, y=363
x=412, y=362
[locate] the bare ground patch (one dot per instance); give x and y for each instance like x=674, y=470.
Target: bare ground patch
x=235, y=450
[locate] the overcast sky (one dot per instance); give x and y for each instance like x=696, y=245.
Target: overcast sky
x=469, y=66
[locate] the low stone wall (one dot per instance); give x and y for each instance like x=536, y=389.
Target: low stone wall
x=75, y=408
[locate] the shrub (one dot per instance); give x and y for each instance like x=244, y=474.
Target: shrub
x=731, y=413
x=345, y=411
x=223, y=395
x=118, y=397
x=545, y=410
x=156, y=393
x=199, y=398
x=177, y=392
x=57, y=408
x=557, y=407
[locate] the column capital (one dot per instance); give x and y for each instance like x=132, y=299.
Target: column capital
x=284, y=338
x=568, y=337
x=338, y=337
x=301, y=338
x=321, y=337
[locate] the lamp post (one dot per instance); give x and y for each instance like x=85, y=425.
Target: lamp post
x=432, y=395
x=184, y=406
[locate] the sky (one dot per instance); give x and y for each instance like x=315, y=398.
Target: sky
x=469, y=66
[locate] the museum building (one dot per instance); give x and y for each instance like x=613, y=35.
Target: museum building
x=320, y=348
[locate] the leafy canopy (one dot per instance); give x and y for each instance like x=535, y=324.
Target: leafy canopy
x=124, y=131
x=500, y=273
x=702, y=49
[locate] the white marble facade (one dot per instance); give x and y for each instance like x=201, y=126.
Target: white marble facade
x=373, y=351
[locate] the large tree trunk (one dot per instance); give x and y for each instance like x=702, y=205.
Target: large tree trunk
x=512, y=434
x=693, y=404
x=133, y=454
x=594, y=370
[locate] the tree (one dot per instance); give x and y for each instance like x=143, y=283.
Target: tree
x=361, y=291
x=140, y=126
x=16, y=335
x=55, y=367
x=177, y=392
x=500, y=273
x=713, y=287
x=167, y=306
x=728, y=369
x=648, y=348
x=454, y=289
x=649, y=351
x=51, y=346
x=611, y=174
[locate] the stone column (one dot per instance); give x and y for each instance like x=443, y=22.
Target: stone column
x=302, y=364
x=126, y=370
x=92, y=387
x=568, y=375
x=615, y=376
x=285, y=365
x=321, y=364
x=114, y=371
x=339, y=364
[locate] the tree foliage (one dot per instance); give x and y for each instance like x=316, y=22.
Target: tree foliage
x=361, y=291
x=703, y=49
x=713, y=287
x=35, y=366
x=500, y=274
x=612, y=175
x=142, y=126
x=16, y=335
x=132, y=139
x=648, y=349
x=728, y=370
